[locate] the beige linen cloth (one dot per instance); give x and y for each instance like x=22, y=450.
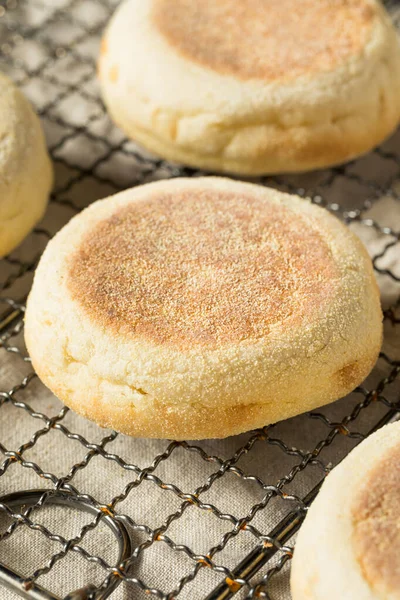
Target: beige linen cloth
x=49, y=48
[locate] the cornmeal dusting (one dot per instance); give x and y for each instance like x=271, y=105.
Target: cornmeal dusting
x=376, y=526
x=265, y=39
x=202, y=268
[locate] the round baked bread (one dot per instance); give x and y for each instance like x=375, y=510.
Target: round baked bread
x=25, y=170
x=196, y=308
x=349, y=544
x=256, y=86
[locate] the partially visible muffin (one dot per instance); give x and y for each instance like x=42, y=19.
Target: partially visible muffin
x=253, y=86
x=349, y=545
x=26, y=173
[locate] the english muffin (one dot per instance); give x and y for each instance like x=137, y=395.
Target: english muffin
x=195, y=308
x=349, y=545
x=25, y=170
x=252, y=87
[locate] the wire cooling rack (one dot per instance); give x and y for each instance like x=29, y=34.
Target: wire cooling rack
x=87, y=509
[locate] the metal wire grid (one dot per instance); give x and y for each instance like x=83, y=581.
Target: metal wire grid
x=38, y=41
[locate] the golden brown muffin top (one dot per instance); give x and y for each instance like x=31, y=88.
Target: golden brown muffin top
x=376, y=525
x=265, y=39
x=202, y=267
